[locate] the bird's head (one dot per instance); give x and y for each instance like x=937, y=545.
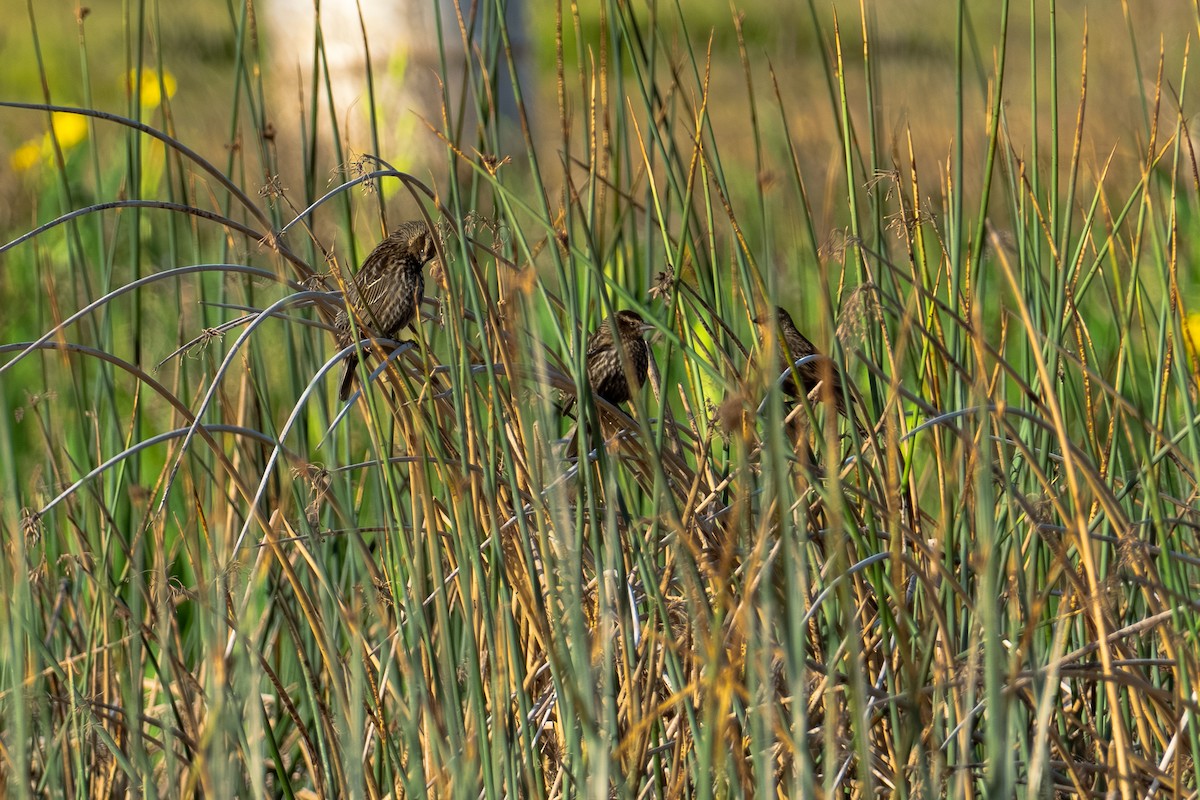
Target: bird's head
x=416, y=239
x=767, y=319
x=632, y=323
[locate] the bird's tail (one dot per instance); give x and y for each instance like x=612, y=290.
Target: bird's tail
x=564, y=406
x=565, y=409
x=348, y=371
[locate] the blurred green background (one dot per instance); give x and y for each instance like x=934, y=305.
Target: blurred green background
x=440, y=579
x=913, y=43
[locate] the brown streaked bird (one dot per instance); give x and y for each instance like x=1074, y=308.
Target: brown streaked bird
x=386, y=292
x=793, y=346
x=606, y=374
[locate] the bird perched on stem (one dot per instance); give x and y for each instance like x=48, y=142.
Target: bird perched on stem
x=612, y=361
x=386, y=292
x=793, y=346
x=607, y=374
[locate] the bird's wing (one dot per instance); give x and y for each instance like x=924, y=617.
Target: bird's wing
x=373, y=290
x=373, y=269
x=802, y=345
x=599, y=340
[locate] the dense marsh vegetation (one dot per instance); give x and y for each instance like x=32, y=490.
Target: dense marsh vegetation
x=220, y=582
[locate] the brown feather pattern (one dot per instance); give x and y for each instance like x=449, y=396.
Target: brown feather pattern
x=386, y=291
x=606, y=374
x=793, y=346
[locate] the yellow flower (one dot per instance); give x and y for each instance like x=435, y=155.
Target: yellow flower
x=69, y=129
x=1191, y=336
x=27, y=156
x=150, y=88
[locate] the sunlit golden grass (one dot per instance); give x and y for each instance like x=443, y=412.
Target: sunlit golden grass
x=223, y=584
